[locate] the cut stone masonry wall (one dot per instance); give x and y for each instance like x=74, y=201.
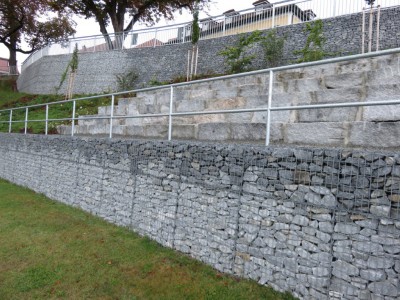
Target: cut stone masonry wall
x=321, y=223
x=365, y=80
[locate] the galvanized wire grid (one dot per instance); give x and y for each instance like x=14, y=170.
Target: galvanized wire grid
x=318, y=222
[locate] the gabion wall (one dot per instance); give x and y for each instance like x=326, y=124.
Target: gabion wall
x=97, y=71
x=320, y=223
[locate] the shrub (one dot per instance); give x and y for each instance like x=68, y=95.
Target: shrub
x=314, y=47
x=273, y=48
x=237, y=57
x=127, y=81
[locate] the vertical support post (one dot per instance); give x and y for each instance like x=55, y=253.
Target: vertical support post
x=122, y=41
x=112, y=115
x=155, y=38
x=378, y=20
x=370, y=30
x=270, y=90
x=171, y=103
x=224, y=29
x=73, y=118
x=47, y=120
x=26, y=120
x=10, y=122
x=334, y=8
x=363, y=32
x=273, y=15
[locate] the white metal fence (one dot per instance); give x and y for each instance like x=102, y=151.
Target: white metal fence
x=260, y=17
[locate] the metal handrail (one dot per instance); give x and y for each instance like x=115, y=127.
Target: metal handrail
x=269, y=108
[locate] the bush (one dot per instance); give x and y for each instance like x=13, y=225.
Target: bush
x=314, y=48
x=273, y=49
x=127, y=81
x=236, y=57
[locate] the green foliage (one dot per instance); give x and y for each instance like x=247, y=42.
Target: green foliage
x=127, y=81
x=273, y=49
x=72, y=67
x=195, y=25
x=314, y=47
x=10, y=99
x=237, y=57
x=155, y=82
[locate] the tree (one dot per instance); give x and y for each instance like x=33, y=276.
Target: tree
x=116, y=12
x=25, y=21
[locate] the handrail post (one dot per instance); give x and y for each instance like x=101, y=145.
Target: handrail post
x=270, y=89
x=171, y=103
x=47, y=120
x=10, y=122
x=26, y=120
x=73, y=117
x=111, y=115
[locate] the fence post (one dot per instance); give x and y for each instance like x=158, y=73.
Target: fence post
x=47, y=120
x=273, y=15
x=10, y=122
x=26, y=120
x=270, y=89
x=334, y=8
x=171, y=102
x=224, y=29
x=111, y=115
x=155, y=38
x=73, y=117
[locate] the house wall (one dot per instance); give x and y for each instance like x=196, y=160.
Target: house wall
x=4, y=65
x=281, y=20
x=320, y=223
x=97, y=71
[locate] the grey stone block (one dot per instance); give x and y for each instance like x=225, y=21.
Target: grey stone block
x=384, y=135
x=332, y=134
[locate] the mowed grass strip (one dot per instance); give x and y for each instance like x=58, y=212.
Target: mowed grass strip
x=51, y=251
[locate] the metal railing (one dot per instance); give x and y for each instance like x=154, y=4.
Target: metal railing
x=281, y=13
x=171, y=114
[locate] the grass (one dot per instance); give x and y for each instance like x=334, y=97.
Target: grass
x=51, y=251
x=9, y=98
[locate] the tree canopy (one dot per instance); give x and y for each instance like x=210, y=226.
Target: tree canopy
x=123, y=14
x=25, y=26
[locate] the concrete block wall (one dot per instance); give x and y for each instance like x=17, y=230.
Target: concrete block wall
x=320, y=223
x=97, y=71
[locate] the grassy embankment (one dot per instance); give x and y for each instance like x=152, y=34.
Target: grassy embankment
x=10, y=99
x=51, y=251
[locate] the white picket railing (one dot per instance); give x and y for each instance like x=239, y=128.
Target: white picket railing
x=260, y=17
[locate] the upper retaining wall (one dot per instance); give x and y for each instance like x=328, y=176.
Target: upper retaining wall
x=97, y=71
x=321, y=223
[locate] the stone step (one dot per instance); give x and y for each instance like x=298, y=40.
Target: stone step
x=343, y=95
x=341, y=134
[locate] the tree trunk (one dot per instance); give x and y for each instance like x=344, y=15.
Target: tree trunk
x=12, y=61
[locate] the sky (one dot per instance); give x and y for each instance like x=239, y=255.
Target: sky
x=90, y=27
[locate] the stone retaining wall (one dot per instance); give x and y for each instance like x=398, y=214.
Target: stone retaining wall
x=316, y=222
x=97, y=71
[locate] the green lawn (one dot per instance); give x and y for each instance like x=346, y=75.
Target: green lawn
x=50, y=251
